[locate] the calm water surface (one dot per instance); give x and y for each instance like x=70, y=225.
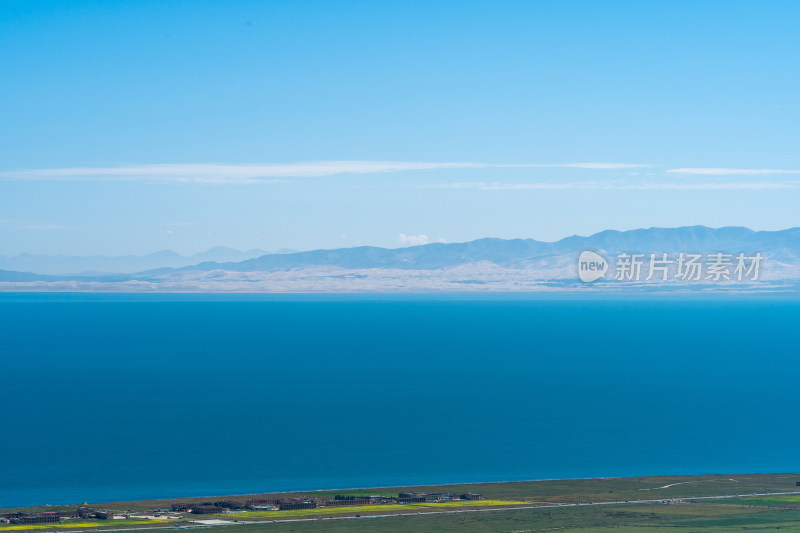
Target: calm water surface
x=112, y=397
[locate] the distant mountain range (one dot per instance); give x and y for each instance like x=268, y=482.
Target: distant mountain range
x=61, y=265
x=484, y=264
x=512, y=253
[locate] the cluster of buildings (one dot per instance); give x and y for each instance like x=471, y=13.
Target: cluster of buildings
x=28, y=518
x=208, y=507
x=54, y=517
x=289, y=504
x=224, y=506
x=435, y=497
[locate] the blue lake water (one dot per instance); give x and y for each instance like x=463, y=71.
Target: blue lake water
x=112, y=397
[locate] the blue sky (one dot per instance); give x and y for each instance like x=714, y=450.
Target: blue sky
x=129, y=127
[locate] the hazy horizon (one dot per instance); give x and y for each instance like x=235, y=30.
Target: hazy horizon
x=407, y=244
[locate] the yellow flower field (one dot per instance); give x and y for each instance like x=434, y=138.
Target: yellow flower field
x=78, y=525
x=366, y=509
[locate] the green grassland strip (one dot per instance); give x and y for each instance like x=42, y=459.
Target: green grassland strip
x=778, y=500
x=630, y=518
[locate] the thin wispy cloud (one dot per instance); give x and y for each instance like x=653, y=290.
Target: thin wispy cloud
x=594, y=166
x=710, y=171
x=223, y=173
x=617, y=185
x=598, y=166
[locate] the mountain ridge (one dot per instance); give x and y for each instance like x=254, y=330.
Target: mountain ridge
x=481, y=264
x=70, y=265
x=515, y=252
